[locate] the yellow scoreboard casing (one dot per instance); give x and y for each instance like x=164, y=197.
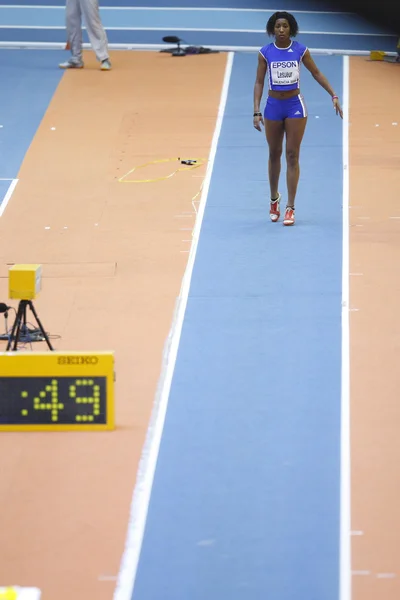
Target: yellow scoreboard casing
x=24, y=281
x=57, y=391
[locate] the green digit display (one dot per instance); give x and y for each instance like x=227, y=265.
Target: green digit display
x=46, y=399
x=86, y=393
x=53, y=401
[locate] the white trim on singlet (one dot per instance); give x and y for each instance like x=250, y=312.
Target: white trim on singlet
x=301, y=60
x=287, y=47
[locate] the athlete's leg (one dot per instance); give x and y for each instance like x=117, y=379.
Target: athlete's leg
x=294, y=129
x=274, y=131
x=295, y=125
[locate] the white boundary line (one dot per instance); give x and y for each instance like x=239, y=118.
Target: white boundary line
x=8, y=195
x=142, y=492
x=345, y=467
x=23, y=593
x=205, y=29
x=157, y=47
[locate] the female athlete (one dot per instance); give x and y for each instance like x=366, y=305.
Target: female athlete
x=285, y=111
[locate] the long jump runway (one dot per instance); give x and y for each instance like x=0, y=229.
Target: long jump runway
x=249, y=463
x=249, y=466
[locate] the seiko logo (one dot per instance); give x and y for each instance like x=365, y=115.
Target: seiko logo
x=289, y=64
x=78, y=360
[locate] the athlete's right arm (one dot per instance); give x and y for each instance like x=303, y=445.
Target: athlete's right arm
x=258, y=90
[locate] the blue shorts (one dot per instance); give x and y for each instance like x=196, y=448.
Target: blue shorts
x=289, y=108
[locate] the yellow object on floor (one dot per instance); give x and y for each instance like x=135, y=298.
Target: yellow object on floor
x=377, y=55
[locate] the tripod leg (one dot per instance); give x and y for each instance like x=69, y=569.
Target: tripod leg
x=14, y=335
x=46, y=337
x=23, y=325
x=21, y=321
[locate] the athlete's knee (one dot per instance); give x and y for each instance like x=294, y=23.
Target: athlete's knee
x=275, y=154
x=292, y=156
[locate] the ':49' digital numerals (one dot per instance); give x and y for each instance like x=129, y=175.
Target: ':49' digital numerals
x=78, y=392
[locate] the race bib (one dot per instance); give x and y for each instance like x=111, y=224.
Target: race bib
x=284, y=72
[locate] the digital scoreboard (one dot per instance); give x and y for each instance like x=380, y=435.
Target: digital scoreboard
x=56, y=391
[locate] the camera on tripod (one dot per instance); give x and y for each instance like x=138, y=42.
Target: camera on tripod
x=25, y=283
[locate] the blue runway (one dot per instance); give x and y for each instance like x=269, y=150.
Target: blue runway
x=245, y=502
x=29, y=82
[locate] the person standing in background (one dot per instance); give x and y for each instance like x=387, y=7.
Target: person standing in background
x=89, y=9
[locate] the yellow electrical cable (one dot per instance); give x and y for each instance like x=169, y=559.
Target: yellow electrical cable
x=197, y=162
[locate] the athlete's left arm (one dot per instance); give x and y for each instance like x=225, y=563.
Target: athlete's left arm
x=309, y=63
